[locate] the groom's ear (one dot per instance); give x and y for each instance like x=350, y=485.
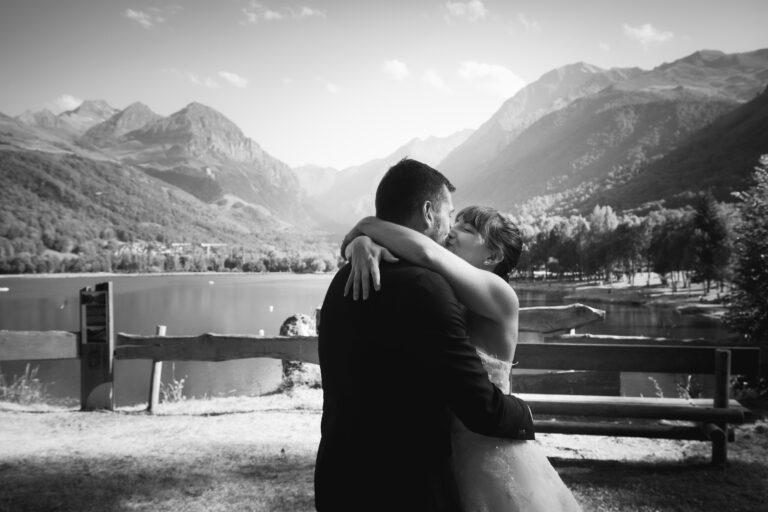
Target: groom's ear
x=428, y=213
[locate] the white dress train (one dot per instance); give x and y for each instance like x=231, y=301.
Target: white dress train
x=503, y=475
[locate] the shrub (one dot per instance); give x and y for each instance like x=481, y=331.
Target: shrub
x=25, y=389
x=172, y=391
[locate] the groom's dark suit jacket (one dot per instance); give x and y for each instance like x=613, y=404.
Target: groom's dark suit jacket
x=394, y=367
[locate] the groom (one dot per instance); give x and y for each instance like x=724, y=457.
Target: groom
x=394, y=367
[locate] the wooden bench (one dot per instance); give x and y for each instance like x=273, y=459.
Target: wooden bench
x=695, y=419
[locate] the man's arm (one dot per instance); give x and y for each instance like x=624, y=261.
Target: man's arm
x=460, y=375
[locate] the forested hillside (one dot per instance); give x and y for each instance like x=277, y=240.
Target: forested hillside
x=65, y=212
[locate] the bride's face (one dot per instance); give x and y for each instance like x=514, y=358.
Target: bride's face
x=465, y=242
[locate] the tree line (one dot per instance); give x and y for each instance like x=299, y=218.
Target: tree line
x=157, y=257
x=681, y=245
x=710, y=243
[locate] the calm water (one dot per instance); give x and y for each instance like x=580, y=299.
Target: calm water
x=237, y=304
x=186, y=304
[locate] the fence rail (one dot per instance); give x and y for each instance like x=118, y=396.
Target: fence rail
x=34, y=345
x=216, y=347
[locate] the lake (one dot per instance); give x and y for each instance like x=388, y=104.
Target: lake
x=240, y=304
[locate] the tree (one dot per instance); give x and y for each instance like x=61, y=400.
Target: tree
x=670, y=247
x=602, y=223
x=748, y=305
x=627, y=245
x=711, y=251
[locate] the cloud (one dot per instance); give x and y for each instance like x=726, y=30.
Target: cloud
x=605, y=47
x=308, y=12
x=63, y=103
x=530, y=25
x=433, y=78
x=203, y=81
x=153, y=16
x=647, y=34
x=234, y=78
x=140, y=17
x=395, y=68
x=257, y=12
x=332, y=88
x=472, y=10
x=491, y=78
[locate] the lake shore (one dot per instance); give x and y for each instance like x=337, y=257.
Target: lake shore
x=258, y=453
x=693, y=300
x=651, y=293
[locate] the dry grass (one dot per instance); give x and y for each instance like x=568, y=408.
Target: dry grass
x=258, y=454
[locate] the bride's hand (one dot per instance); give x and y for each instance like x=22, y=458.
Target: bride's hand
x=365, y=255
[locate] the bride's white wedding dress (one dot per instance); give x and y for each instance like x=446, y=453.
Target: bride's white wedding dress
x=496, y=475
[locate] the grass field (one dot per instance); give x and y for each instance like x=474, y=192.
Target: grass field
x=257, y=453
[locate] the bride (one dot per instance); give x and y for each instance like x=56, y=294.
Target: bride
x=484, y=245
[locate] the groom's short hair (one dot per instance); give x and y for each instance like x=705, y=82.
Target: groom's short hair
x=404, y=189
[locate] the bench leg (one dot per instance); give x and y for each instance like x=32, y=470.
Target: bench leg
x=722, y=396
x=719, y=436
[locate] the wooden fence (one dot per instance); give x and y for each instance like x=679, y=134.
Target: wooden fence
x=542, y=347
x=97, y=346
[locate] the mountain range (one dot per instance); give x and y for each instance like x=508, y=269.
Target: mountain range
x=576, y=137
x=347, y=195
x=586, y=142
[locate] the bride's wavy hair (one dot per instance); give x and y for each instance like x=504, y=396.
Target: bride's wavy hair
x=498, y=231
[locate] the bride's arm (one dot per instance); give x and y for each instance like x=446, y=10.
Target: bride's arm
x=482, y=292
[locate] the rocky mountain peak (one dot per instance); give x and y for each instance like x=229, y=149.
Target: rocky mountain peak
x=733, y=77
x=574, y=71
x=699, y=58
x=137, y=106
x=43, y=118
x=552, y=91
x=201, y=132
x=94, y=108
x=87, y=115
x=135, y=116
x=201, y=121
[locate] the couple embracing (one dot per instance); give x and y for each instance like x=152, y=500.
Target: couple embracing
x=417, y=414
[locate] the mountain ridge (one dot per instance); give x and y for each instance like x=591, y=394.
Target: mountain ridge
x=135, y=116
x=552, y=91
x=577, y=137
x=684, y=98
x=351, y=194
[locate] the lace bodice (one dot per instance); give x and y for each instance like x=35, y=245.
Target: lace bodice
x=498, y=370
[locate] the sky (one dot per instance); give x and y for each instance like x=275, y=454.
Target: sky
x=338, y=83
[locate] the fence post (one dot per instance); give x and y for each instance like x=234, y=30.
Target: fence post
x=97, y=345
x=157, y=373
x=721, y=400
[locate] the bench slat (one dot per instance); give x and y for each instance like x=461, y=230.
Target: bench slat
x=631, y=407
x=690, y=432
x=633, y=358
x=588, y=399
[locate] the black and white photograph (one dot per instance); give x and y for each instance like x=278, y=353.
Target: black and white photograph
x=384, y=256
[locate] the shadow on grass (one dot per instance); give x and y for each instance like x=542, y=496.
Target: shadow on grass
x=127, y=483
x=688, y=486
